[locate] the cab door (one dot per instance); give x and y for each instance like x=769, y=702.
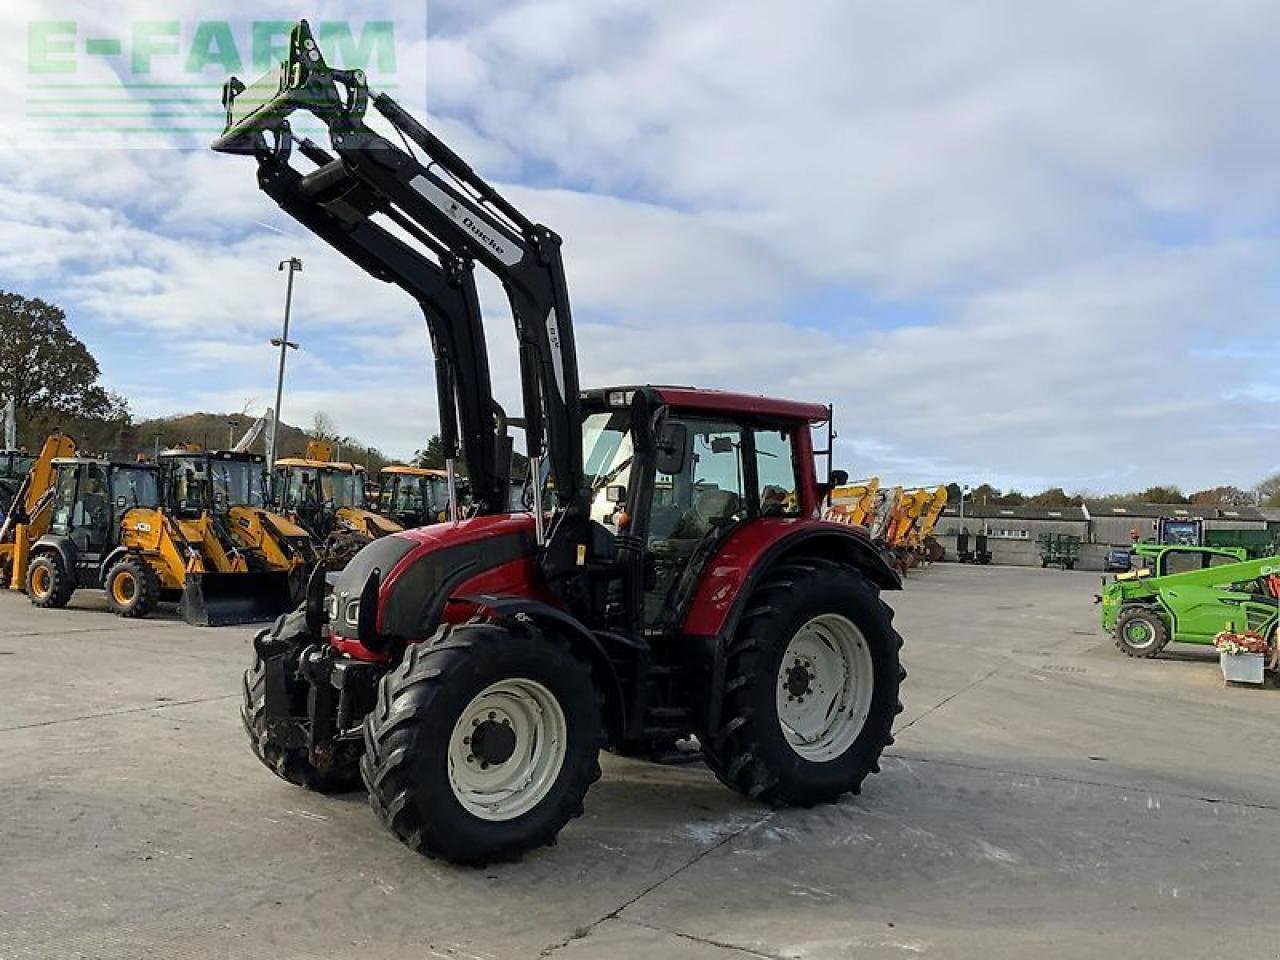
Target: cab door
x=91, y=517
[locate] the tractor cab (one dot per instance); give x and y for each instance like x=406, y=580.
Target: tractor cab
x=413, y=496
x=707, y=472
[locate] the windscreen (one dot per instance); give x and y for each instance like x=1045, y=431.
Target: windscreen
x=343, y=489
x=138, y=488
x=298, y=488
x=238, y=483
x=607, y=453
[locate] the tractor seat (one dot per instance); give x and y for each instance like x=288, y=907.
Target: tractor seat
x=714, y=507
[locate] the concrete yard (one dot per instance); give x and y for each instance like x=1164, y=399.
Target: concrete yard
x=1046, y=797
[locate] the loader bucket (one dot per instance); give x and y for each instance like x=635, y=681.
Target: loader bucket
x=221, y=599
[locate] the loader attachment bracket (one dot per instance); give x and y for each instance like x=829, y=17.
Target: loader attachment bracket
x=302, y=82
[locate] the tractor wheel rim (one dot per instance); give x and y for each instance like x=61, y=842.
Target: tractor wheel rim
x=1139, y=634
x=40, y=581
x=825, y=684
x=507, y=749
x=124, y=588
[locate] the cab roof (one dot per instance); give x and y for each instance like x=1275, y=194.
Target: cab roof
x=727, y=402
x=338, y=466
x=408, y=471
x=99, y=461
x=237, y=455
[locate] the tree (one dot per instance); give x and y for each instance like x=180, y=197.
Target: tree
x=1269, y=491
x=1159, y=494
x=1055, y=497
x=323, y=428
x=432, y=455
x=1226, y=496
x=45, y=367
x=984, y=493
x=1013, y=498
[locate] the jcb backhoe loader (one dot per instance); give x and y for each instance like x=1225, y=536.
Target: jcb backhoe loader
x=255, y=562
x=678, y=579
x=110, y=529
x=27, y=517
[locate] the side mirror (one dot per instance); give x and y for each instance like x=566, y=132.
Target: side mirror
x=671, y=446
x=615, y=493
x=839, y=478
x=722, y=445
x=121, y=503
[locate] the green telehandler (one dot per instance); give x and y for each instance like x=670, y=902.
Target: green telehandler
x=1145, y=612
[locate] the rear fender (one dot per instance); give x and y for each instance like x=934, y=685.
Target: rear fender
x=579, y=637
x=744, y=561
x=745, y=558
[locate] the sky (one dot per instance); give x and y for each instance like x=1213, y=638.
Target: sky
x=1025, y=244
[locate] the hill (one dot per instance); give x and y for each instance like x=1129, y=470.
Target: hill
x=125, y=440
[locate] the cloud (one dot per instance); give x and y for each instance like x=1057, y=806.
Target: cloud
x=1010, y=242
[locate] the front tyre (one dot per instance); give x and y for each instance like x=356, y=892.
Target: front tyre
x=287, y=761
x=1141, y=632
x=132, y=588
x=483, y=744
x=813, y=675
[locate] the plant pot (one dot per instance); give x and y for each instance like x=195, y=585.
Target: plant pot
x=1242, y=667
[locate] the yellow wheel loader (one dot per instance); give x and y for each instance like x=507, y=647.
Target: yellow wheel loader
x=327, y=498
x=256, y=562
x=26, y=516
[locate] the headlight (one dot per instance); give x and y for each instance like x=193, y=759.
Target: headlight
x=352, y=615
x=331, y=607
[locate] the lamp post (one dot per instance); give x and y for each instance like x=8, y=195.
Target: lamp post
x=963, y=490
x=285, y=345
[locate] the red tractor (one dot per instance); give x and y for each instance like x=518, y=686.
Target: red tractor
x=671, y=578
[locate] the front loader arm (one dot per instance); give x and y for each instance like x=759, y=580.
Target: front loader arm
x=327, y=204
x=443, y=204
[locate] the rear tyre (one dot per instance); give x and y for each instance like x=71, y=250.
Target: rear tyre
x=483, y=744
x=286, y=762
x=48, y=585
x=1141, y=632
x=813, y=679
x=132, y=588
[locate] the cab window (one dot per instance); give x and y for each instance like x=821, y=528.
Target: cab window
x=776, y=474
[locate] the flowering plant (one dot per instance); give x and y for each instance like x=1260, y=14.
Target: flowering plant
x=1230, y=642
